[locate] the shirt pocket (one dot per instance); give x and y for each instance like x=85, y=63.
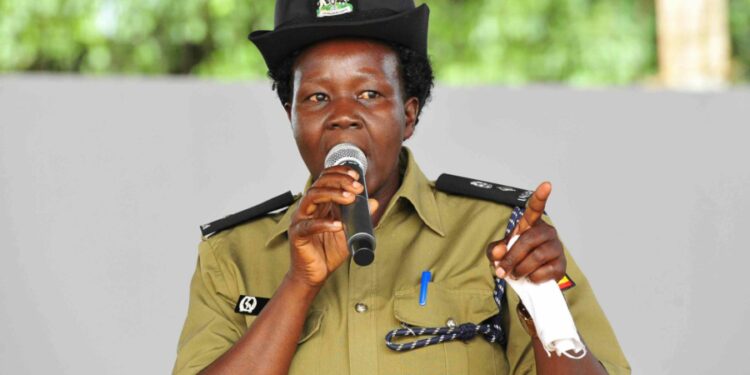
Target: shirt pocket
x=313, y=320
x=446, y=306
x=312, y=325
x=307, y=357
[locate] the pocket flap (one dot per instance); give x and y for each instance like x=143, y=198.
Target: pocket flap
x=443, y=304
x=312, y=325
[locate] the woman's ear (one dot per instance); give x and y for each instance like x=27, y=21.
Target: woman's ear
x=288, y=109
x=411, y=113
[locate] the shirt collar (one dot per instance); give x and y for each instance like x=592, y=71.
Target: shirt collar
x=418, y=190
x=415, y=188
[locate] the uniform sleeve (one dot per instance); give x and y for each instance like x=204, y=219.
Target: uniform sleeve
x=592, y=325
x=211, y=326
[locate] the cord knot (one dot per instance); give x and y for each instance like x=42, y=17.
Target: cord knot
x=466, y=331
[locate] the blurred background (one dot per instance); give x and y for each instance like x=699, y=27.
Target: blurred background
x=674, y=43
x=125, y=124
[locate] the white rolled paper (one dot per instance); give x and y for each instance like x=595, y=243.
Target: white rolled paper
x=546, y=305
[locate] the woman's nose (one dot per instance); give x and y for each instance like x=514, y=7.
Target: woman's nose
x=344, y=115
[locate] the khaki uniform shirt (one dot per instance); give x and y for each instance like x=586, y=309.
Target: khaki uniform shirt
x=422, y=229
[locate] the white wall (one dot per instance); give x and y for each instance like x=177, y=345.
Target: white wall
x=103, y=183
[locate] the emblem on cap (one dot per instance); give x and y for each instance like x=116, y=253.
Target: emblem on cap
x=327, y=8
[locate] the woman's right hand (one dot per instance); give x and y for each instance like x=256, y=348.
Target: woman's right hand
x=316, y=234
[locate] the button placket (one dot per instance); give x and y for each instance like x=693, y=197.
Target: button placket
x=361, y=319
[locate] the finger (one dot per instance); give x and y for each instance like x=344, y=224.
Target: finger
x=490, y=249
x=528, y=241
x=547, y=252
x=496, y=250
x=340, y=181
x=554, y=270
x=337, y=251
x=373, y=205
x=318, y=195
x=535, y=207
x=340, y=169
x=505, y=265
x=307, y=228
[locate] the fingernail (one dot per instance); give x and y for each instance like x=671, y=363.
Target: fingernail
x=356, y=184
x=497, y=263
x=352, y=173
x=337, y=224
x=347, y=194
x=500, y=272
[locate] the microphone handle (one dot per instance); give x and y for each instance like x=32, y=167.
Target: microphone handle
x=358, y=224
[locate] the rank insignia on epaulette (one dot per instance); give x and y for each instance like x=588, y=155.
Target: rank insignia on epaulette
x=483, y=190
x=276, y=203
x=565, y=283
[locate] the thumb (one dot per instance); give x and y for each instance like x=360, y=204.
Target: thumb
x=373, y=205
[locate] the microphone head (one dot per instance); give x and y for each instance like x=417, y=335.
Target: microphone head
x=346, y=152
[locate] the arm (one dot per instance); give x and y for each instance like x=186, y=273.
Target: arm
x=317, y=248
x=269, y=345
x=552, y=364
x=539, y=255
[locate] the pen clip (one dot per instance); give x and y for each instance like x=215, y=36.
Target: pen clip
x=426, y=278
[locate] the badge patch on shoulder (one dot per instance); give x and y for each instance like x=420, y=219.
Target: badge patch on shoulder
x=250, y=305
x=327, y=8
x=565, y=283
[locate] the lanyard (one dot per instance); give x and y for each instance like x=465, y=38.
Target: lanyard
x=490, y=329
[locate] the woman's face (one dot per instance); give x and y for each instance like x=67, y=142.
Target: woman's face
x=350, y=91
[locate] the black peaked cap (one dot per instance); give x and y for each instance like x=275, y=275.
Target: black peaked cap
x=300, y=23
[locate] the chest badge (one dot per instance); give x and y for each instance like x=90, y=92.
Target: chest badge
x=327, y=8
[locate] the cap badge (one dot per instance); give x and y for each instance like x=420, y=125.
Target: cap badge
x=327, y=8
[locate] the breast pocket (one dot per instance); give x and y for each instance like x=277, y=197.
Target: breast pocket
x=447, y=306
x=307, y=357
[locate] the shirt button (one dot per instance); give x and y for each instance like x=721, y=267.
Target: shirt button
x=450, y=323
x=360, y=307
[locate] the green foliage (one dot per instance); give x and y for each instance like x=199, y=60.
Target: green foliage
x=739, y=21
x=203, y=37
x=580, y=42
x=585, y=42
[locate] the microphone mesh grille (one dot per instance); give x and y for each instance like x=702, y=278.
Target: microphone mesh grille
x=343, y=152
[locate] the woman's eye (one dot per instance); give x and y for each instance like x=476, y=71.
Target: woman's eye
x=317, y=97
x=369, y=94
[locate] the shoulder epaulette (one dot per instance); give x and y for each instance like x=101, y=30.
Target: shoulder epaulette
x=273, y=204
x=489, y=191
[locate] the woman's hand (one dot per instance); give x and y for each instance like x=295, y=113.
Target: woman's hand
x=316, y=234
x=538, y=253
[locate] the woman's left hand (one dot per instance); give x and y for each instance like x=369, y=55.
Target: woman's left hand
x=538, y=253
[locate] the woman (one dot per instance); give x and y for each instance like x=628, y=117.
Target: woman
x=278, y=293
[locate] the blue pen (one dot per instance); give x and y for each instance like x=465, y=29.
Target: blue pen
x=426, y=276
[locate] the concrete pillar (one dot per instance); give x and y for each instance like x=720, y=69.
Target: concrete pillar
x=693, y=40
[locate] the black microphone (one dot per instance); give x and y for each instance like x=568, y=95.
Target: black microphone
x=355, y=216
